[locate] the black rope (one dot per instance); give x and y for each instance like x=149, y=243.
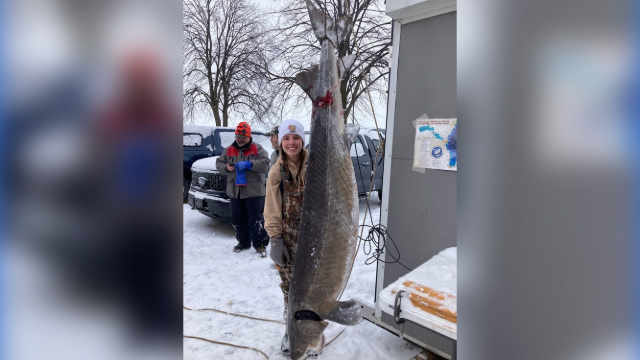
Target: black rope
x=376, y=236
x=371, y=242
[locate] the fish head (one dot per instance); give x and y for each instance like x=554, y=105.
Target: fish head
x=305, y=332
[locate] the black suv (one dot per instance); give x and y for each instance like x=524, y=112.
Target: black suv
x=200, y=142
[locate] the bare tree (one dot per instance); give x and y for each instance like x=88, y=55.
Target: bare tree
x=225, y=54
x=298, y=50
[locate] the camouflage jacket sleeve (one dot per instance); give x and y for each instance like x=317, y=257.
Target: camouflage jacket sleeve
x=221, y=162
x=273, y=204
x=261, y=163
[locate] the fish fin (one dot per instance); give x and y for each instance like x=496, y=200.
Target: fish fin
x=346, y=313
x=307, y=79
x=351, y=130
x=344, y=64
x=325, y=27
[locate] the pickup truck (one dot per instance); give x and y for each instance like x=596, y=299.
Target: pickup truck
x=208, y=193
x=199, y=142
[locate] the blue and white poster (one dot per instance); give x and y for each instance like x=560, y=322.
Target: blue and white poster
x=436, y=144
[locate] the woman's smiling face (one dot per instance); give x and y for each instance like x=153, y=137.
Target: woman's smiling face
x=292, y=144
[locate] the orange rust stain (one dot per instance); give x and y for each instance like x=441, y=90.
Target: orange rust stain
x=433, y=307
x=430, y=300
x=426, y=290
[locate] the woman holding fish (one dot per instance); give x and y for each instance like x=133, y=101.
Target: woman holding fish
x=283, y=205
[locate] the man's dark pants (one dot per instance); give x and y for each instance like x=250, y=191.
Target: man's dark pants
x=248, y=221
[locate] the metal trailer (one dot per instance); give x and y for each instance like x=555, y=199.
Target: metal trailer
x=418, y=209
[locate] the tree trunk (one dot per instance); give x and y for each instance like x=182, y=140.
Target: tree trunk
x=216, y=114
x=225, y=106
x=343, y=93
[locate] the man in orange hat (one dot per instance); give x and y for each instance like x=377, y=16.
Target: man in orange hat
x=245, y=164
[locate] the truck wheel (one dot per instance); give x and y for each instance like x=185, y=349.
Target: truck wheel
x=380, y=194
x=185, y=189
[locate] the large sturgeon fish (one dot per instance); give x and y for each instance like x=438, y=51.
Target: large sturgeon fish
x=329, y=220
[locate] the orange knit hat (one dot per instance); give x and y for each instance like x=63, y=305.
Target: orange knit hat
x=243, y=129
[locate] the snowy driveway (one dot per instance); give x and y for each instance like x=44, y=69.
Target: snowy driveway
x=243, y=283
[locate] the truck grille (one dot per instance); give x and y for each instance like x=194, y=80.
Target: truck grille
x=208, y=181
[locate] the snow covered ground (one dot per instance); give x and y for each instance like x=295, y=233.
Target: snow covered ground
x=243, y=283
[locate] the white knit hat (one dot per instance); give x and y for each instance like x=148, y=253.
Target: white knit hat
x=290, y=127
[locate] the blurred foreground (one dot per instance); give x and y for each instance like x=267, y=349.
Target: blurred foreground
x=547, y=204
x=92, y=252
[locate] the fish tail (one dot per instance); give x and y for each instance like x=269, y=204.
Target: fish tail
x=326, y=27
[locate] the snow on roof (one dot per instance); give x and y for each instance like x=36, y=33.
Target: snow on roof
x=371, y=133
x=407, y=9
x=198, y=129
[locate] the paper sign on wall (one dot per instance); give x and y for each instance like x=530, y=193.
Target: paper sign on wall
x=436, y=144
